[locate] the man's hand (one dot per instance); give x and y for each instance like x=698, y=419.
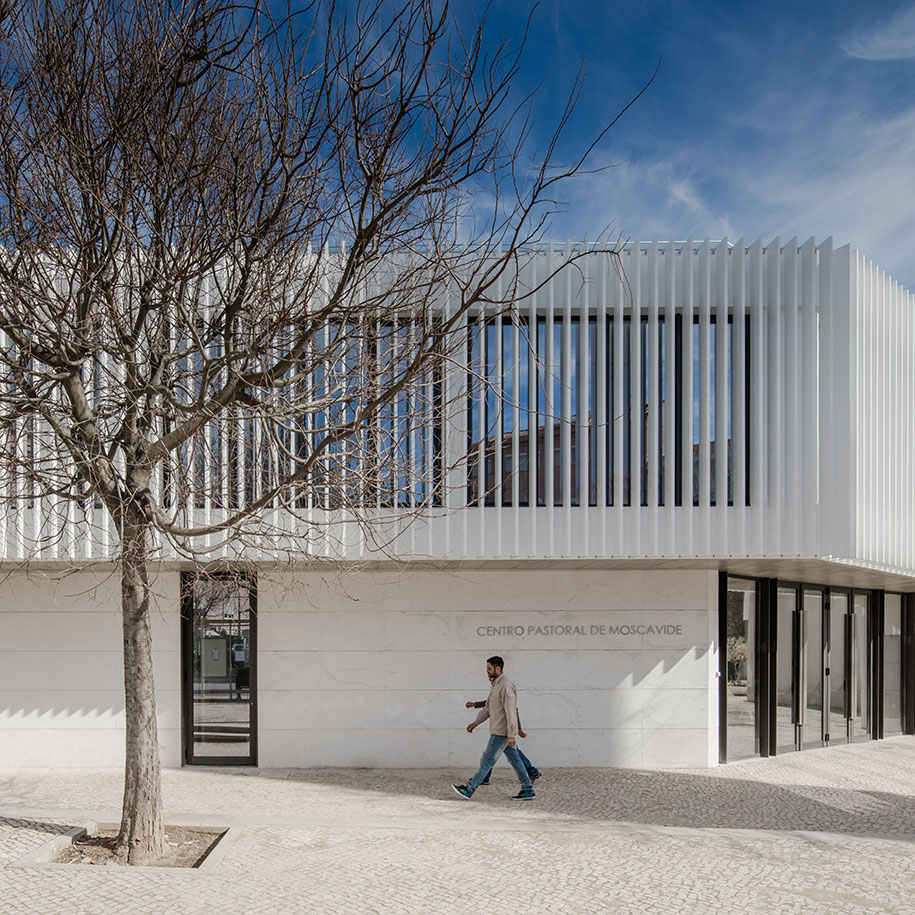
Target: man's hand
x=468, y=705
x=470, y=728
x=511, y=741
x=522, y=733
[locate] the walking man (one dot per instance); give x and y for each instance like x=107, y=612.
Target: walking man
x=532, y=770
x=502, y=711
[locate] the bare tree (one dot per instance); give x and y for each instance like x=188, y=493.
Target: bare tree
x=235, y=248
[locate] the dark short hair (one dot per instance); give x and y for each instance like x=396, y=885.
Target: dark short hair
x=496, y=661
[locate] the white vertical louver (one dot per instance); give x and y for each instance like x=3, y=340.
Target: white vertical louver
x=710, y=400
x=883, y=417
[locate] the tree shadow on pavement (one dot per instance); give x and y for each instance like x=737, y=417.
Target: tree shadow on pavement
x=23, y=823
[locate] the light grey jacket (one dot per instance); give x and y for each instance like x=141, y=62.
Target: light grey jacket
x=482, y=704
x=501, y=708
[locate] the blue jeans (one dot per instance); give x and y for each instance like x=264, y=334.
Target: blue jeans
x=529, y=767
x=493, y=750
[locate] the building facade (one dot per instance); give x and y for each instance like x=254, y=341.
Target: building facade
x=677, y=498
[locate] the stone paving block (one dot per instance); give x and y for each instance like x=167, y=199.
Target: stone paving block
x=831, y=831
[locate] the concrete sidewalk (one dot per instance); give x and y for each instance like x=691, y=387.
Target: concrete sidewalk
x=821, y=831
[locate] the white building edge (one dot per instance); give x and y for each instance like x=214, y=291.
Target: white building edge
x=610, y=577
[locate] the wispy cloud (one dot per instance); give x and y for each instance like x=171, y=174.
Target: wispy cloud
x=647, y=199
x=858, y=193
x=848, y=180
x=757, y=126
x=892, y=39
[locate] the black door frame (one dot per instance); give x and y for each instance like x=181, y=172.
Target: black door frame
x=187, y=674
x=908, y=664
x=877, y=626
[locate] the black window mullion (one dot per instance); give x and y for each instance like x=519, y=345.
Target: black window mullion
x=747, y=411
x=767, y=628
x=908, y=663
x=722, y=667
x=252, y=669
x=187, y=673
x=878, y=598
x=678, y=410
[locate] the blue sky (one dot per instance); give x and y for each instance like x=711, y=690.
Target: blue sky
x=765, y=119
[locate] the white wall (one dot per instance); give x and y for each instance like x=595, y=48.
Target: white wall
x=374, y=669
x=61, y=673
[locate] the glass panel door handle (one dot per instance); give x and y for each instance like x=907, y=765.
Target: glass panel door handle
x=801, y=642
x=851, y=676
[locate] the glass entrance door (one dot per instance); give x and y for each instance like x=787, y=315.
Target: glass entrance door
x=809, y=656
x=786, y=670
x=860, y=724
x=837, y=668
x=218, y=649
x=812, y=670
x=742, y=721
x=893, y=722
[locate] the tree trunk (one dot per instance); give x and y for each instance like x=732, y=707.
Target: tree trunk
x=142, y=834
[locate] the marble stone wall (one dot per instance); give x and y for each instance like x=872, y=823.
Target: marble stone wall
x=62, y=674
x=373, y=669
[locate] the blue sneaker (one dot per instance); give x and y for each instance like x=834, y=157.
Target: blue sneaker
x=525, y=794
x=463, y=791
x=485, y=781
x=534, y=775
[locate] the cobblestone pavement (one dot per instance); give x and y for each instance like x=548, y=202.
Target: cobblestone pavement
x=821, y=831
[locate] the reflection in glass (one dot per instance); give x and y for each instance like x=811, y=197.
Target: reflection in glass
x=860, y=669
x=838, y=611
x=785, y=686
x=221, y=657
x=742, y=719
x=892, y=664
x=812, y=665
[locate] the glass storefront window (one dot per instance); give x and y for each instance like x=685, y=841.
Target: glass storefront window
x=802, y=666
x=892, y=665
x=742, y=680
x=785, y=684
x=838, y=612
x=860, y=669
x=813, y=667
